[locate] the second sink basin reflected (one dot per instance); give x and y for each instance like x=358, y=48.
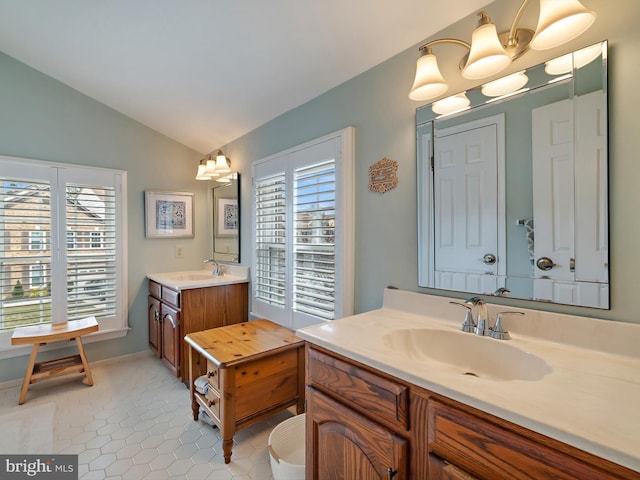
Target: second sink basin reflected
x=469, y=354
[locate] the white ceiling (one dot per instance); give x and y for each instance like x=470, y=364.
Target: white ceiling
x=205, y=72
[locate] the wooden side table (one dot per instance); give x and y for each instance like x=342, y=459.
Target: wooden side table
x=42, y=334
x=254, y=370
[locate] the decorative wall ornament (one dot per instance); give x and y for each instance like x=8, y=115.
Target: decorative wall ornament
x=382, y=175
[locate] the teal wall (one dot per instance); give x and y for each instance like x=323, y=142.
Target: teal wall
x=43, y=119
x=376, y=104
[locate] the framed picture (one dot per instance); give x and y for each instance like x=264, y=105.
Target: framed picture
x=168, y=214
x=227, y=217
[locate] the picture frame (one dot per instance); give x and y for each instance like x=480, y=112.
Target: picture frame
x=227, y=221
x=168, y=214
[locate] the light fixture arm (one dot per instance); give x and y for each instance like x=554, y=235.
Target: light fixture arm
x=439, y=41
x=512, y=40
x=426, y=48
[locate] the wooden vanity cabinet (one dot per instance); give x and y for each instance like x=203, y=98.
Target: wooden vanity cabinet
x=155, y=334
x=174, y=314
x=358, y=422
x=365, y=424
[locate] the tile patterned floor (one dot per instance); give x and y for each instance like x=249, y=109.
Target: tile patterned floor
x=135, y=423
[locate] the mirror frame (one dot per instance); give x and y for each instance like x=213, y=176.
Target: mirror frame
x=425, y=133
x=215, y=199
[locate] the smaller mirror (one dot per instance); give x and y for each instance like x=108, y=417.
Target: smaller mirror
x=225, y=195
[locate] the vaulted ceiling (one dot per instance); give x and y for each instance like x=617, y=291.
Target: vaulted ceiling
x=205, y=72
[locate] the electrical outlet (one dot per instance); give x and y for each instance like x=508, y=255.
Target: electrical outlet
x=179, y=251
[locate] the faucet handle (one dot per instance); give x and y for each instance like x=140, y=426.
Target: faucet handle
x=498, y=331
x=468, y=325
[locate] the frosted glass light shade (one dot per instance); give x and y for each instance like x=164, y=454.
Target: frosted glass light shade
x=429, y=82
x=505, y=85
x=201, y=175
x=451, y=104
x=559, y=22
x=566, y=63
x=221, y=164
x=210, y=170
x=487, y=56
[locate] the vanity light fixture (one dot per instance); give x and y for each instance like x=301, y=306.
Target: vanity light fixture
x=202, y=169
x=505, y=85
x=452, y=104
x=213, y=166
x=566, y=63
x=489, y=52
x=222, y=164
x=227, y=178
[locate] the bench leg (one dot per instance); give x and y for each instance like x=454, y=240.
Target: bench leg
x=27, y=376
x=83, y=357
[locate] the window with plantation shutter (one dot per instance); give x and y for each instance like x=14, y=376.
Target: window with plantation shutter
x=270, y=266
x=62, y=249
x=314, y=217
x=303, y=232
x=91, y=265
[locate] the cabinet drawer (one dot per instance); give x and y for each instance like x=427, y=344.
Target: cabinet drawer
x=373, y=395
x=155, y=289
x=489, y=451
x=213, y=402
x=213, y=375
x=171, y=296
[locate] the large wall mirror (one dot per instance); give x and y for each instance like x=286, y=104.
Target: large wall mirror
x=513, y=189
x=225, y=195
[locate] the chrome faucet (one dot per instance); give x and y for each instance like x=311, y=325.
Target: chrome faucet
x=217, y=269
x=482, y=327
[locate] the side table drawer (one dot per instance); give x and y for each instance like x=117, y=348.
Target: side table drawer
x=213, y=375
x=213, y=402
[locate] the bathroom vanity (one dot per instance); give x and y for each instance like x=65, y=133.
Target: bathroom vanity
x=558, y=400
x=184, y=302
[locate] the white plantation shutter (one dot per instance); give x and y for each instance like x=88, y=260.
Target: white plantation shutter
x=314, y=216
x=63, y=243
x=25, y=215
x=302, y=269
x=270, y=225
x=91, y=262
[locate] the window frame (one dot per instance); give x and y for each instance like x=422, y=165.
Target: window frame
x=59, y=175
x=341, y=144
x=37, y=243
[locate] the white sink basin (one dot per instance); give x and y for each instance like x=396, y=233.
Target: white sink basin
x=201, y=278
x=469, y=354
x=181, y=277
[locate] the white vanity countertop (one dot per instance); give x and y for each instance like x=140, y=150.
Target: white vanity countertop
x=201, y=278
x=591, y=398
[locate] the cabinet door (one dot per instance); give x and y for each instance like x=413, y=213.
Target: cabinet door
x=170, y=319
x=344, y=445
x=154, y=326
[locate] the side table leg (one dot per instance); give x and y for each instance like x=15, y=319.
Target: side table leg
x=226, y=449
x=29, y=372
x=195, y=408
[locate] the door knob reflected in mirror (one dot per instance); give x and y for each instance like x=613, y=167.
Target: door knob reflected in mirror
x=545, y=263
x=489, y=259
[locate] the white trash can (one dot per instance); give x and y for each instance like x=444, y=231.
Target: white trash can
x=287, y=449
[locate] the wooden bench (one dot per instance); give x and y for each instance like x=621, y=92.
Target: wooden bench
x=42, y=334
